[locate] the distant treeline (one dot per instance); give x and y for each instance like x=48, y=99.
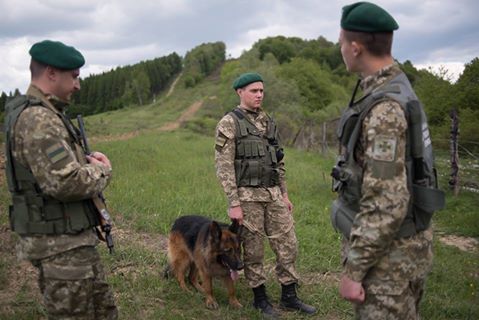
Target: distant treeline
x=130, y=85
x=306, y=84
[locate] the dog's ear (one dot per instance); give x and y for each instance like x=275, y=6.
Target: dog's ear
x=234, y=227
x=215, y=232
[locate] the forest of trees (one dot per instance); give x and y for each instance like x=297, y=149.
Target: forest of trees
x=130, y=85
x=202, y=61
x=307, y=84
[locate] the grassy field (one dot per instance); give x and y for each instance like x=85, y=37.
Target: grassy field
x=159, y=176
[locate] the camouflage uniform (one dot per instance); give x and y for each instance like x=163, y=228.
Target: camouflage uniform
x=392, y=270
x=71, y=278
x=264, y=210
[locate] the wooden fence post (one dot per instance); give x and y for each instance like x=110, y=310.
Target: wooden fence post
x=454, y=181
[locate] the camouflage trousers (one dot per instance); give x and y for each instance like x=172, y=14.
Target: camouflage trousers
x=397, y=304
x=73, y=286
x=271, y=219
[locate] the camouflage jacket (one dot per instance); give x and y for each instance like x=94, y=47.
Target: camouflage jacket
x=42, y=143
x=225, y=149
x=373, y=251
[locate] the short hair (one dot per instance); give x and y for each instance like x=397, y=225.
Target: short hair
x=378, y=44
x=36, y=68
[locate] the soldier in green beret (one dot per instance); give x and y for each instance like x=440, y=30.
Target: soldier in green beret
x=384, y=175
x=52, y=183
x=250, y=168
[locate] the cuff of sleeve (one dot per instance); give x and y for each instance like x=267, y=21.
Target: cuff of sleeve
x=353, y=272
x=234, y=202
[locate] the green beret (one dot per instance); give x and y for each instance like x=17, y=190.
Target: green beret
x=57, y=54
x=367, y=17
x=245, y=79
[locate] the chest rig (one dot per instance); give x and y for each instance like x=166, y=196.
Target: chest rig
x=33, y=212
x=347, y=174
x=257, y=154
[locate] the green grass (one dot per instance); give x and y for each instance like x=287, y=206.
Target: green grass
x=461, y=214
x=160, y=176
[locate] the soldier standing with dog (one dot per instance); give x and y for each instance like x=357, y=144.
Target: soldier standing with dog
x=52, y=183
x=250, y=168
x=384, y=177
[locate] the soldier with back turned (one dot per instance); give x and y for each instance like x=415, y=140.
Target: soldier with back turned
x=384, y=176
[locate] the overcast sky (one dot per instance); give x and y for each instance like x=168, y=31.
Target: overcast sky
x=111, y=33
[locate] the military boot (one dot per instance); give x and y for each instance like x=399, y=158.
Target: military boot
x=261, y=303
x=290, y=301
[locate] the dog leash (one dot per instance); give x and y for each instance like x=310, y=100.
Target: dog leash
x=253, y=229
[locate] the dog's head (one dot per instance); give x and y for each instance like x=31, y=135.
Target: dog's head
x=228, y=247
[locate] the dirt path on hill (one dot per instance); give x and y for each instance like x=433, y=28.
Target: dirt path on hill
x=185, y=116
x=173, y=85
x=169, y=126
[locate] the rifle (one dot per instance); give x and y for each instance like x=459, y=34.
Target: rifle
x=98, y=201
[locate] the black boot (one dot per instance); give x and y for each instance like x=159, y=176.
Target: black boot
x=290, y=301
x=261, y=302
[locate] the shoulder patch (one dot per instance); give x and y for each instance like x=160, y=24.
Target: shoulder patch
x=384, y=148
x=220, y=140
x=56, y=153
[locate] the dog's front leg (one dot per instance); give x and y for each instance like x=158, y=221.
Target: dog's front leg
x=229, y=284
x=208, y=290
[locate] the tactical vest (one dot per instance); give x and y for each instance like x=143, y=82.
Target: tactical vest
x=33, y=212
x=257, y=155
x=421, y=174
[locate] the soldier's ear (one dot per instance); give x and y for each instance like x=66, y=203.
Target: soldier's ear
x=51, y=73
x=356, y=48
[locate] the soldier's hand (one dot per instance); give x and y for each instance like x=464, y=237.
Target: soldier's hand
x=351, y=290
x=287, y=202
x=236, y=213
x=99, y=158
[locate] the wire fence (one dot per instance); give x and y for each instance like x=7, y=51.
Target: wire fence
x=323, y=139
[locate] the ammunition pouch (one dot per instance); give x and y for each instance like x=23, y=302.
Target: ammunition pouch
x=347, y=181
x=33, y=214
x=342, y=217
x=425, y=202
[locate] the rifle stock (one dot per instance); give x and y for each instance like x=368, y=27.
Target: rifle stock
x=99, y=200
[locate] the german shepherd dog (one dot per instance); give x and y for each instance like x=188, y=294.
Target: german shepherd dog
x=207, y=249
